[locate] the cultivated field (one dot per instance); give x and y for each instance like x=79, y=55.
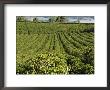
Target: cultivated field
x=54, y=48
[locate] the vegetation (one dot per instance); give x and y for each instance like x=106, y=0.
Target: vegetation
x=54, y=48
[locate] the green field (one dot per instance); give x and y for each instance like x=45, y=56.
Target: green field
x=54, y=48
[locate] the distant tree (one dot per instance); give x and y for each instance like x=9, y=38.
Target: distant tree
x=61, y=19
x=58, y=19
x=20, y=18
x=35, y=20
x=78, y=20
x=52, y=19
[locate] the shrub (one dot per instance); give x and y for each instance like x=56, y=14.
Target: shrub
x=43, y=64
x=76, y=66
x=88, y=56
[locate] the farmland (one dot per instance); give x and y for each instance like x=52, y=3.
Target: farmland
x=54, y=48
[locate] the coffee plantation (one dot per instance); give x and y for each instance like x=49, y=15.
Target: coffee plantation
x=54, y=48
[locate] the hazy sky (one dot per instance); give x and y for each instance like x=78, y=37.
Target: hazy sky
x=83, y=19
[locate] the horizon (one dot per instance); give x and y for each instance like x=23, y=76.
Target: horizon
x=71, y=19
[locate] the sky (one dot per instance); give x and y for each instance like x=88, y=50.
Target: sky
x=83, y=19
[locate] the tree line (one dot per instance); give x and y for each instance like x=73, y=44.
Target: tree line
x=60, y=19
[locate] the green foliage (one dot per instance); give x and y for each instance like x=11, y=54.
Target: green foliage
x=54, y=48
x=76, y=66
x=88, y=55
x=43, y=64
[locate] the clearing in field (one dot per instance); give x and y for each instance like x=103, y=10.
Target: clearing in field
x=55, y=45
